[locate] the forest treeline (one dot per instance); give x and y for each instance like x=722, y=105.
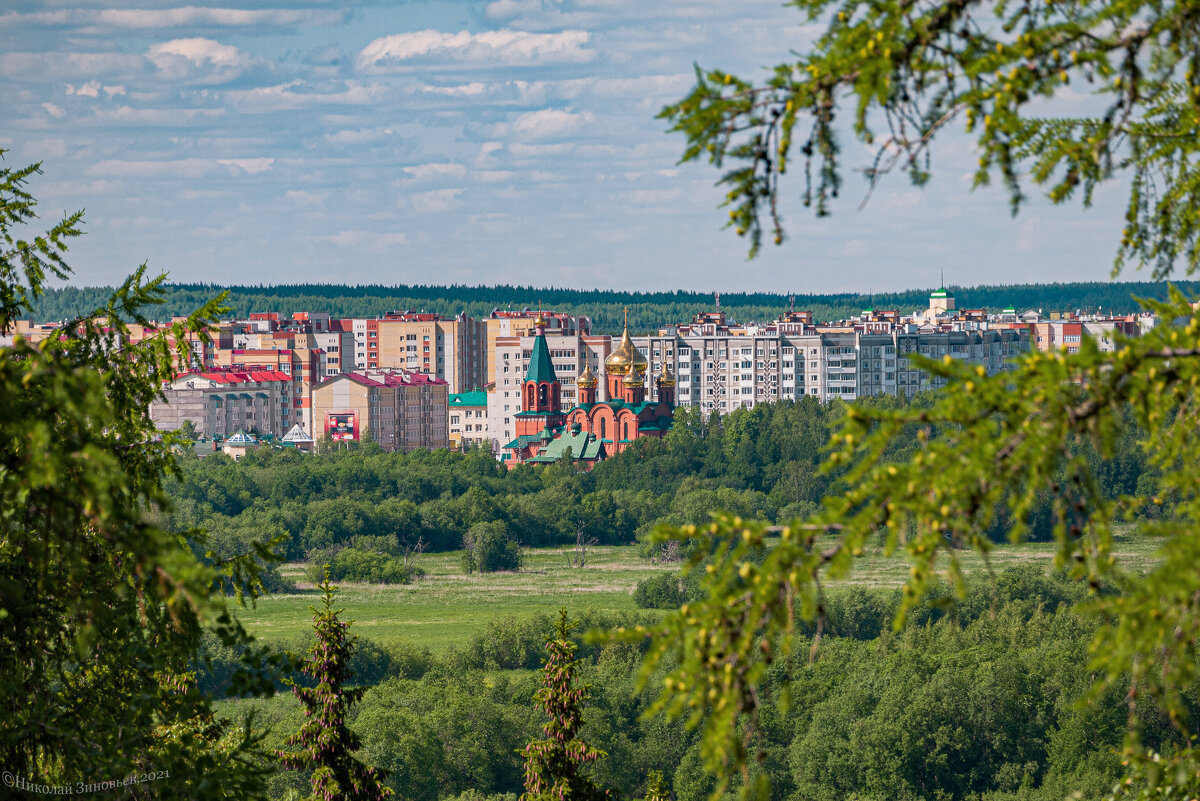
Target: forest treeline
x=972, y=701
x=760, y=463
x=647, y=310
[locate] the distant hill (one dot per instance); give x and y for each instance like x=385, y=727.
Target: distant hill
x=647, y=310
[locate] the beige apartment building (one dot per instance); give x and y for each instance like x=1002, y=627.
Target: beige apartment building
x=452, y=350
x=401, y=411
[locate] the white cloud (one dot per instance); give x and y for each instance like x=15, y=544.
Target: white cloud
x=54, y=111
x=369, y=240
x=359, y=137
x=473, y=89
x=549, y=123
x=502, y=47
x=249, y=166
x=427, y=171
x=302, y=197
x=198, y=58
x=225, y=17
x=197, y=50
x=89, y=89
x=157, y=116
x=652, y=196
x=536, y=151
x=172, y=168
x=293, y=95
x=143, y=18
x=437, y=200
x=61, y=65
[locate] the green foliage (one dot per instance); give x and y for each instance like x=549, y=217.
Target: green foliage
x=987, y=443
x=760, y=462
x=664, y=591
x=974, y=699
x=101, y=610
x=354, y=564
x=487, y=547
x=906, y=72
x=555, y=767
x=327, y=743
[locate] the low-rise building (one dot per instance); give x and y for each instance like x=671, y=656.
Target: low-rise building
x=469, y=420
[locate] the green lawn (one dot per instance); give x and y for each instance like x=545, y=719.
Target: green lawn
x=447, y=606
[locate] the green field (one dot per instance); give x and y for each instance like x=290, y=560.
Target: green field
x=447, y=606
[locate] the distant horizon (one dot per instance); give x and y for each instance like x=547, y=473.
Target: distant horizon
x=730, y=292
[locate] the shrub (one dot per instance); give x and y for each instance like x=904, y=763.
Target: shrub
x=664, y=591
x=353, y=564
x=487, y=547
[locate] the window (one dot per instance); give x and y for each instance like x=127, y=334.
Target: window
x=603, y=428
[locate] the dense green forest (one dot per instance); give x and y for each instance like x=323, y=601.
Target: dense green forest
x=762, y=462
x=648, y=310
x=974, y=701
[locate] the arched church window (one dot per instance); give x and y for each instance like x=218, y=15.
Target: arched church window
x=603, y=428
x=626, y=434
x=542, y=394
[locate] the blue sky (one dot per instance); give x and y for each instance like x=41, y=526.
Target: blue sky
x=510, y=141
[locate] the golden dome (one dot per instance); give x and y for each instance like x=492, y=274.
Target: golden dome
x=665, y=379
x=624, y=357
x=540, y=321
x=634, y=379
x=586, y=380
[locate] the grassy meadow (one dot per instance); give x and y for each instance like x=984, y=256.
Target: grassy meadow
x=447, y=607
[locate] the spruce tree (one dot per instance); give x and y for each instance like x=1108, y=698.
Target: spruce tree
x=555, y=767
x=326, y=743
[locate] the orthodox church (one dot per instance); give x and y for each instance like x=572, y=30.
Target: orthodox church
x=595, y=429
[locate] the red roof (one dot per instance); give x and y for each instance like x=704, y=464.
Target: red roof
x=394, y=378
x=239, y=376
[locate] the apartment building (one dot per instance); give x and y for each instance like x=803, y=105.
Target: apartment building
x=451, y=349
x=508, y=323
x=720, y=367
x=402, y=411
x=222, y=402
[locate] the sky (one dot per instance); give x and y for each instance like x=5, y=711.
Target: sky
x=471, y=142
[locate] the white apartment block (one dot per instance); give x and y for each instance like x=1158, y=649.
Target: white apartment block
x=724, y=371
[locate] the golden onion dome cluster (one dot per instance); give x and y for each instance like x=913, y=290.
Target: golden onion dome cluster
x=625, y=357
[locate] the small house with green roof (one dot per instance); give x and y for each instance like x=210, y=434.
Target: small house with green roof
x=469, y=419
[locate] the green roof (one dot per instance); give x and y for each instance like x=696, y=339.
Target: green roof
x=474, y=397
x=940, y=293
x=523, y=440
x=582, y=445
x=540, y=367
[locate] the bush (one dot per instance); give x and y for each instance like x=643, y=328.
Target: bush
x=667, y=591
x=487, y=547
x=352, y=564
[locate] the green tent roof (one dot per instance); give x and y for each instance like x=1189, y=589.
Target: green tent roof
x=540, y=367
